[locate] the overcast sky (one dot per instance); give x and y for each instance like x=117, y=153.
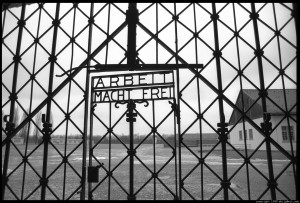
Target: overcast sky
x=114, y=54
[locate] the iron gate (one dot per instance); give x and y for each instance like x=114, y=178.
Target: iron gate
x=131, y=169
x=248, y=52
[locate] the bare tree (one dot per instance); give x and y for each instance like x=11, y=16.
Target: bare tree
x=3, y=125
x=24, y=130
x=16, y=116
x=51, y=118
x=2, y=119
x=38, y=122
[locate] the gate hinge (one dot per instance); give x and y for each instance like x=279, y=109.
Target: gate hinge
x=222, y=129
x=266, y=125
x=175, y=108
x=10, y=127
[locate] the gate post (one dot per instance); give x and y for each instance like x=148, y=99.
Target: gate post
x=46, y=119
x=225, y=184
x=131, y=152
x=132, y=20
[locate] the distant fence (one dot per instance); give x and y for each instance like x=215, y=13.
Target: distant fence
x=18, y=140
x=61, y=141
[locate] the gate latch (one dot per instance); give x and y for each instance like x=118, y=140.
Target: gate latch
x=93, y=174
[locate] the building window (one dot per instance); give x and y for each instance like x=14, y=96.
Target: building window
x=285, y=132
x=246, y=135
x=241, y=135
x=250, y=134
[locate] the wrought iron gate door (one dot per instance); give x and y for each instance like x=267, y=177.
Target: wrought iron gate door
x=129, y=156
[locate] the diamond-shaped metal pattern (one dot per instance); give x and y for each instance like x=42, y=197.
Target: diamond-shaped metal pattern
x=241, y=46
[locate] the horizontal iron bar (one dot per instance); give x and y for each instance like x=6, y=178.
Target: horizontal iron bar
x=143, y=67
x=131, y=74
x=138, y=67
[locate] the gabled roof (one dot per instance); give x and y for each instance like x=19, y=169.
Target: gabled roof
x=256, y=111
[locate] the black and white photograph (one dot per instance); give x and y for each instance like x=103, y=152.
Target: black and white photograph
x=149, y=101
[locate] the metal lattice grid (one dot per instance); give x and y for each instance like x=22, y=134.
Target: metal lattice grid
x=241, y=46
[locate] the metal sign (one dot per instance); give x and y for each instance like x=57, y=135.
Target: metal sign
x=157, y=85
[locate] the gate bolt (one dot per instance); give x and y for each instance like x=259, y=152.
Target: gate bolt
x=272, y=184
x=65, y=159
x=44, y=181
x=154, y=175
x=131, y=152
x=201, y=160
x=247, y=160
x=25, y=159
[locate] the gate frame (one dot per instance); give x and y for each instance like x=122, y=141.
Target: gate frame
x=131, y=118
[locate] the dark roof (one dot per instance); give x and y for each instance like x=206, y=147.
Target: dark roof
x=256, y=111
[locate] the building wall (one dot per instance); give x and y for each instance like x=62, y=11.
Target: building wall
x=258, y=138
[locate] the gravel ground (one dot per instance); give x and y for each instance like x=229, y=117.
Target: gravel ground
x=199, y=182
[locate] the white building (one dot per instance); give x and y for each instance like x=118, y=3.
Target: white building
x=244, y=133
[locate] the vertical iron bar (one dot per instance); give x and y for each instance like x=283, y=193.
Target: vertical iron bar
x=178, y=105
x=284, y=92
x=296, y=174
x=108, y=22
x=296, y=15
x=109, y=147
x=199, y=105
x=48, y=114
x=86, y=111
x=217, y=54
x=259, y=54
x=92, y=109
x=68, y=107
x=242, y=96
x=153, y=107
x=30, y=105
x=154, y=158
x=175, y=139
x=3, y=22
x=109, y=152
x=13, y=96
x=132, y=19
x=130, y=109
